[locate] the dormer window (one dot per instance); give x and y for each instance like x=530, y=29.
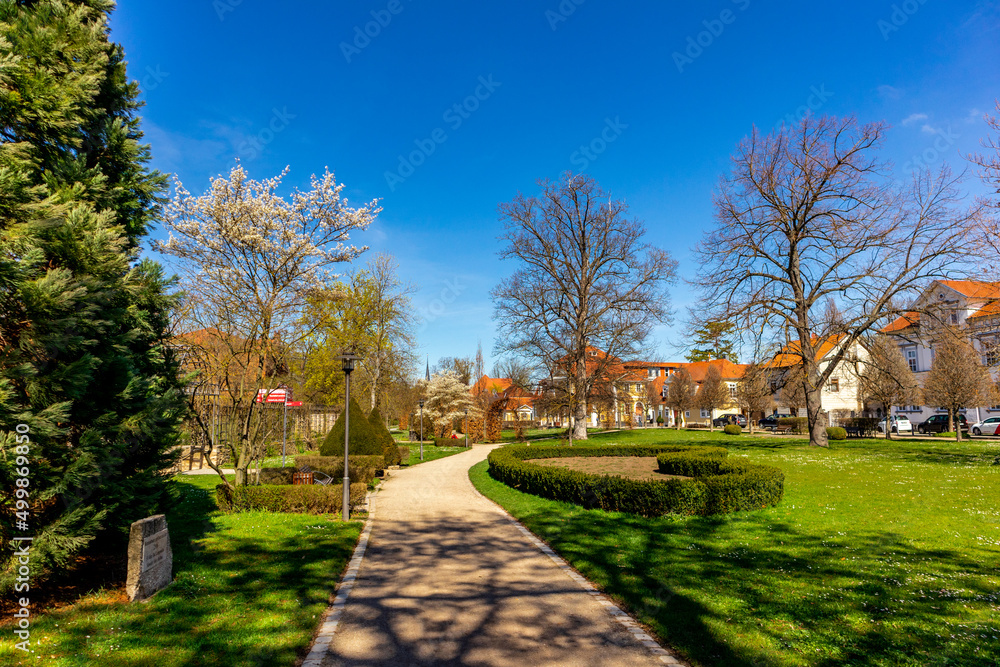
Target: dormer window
x=954, y=318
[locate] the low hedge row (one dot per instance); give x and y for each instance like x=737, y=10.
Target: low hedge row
x=716, y=485
x=363, y=469
x=450, y=442
x=301, y=499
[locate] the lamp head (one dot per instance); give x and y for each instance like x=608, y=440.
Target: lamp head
x=421, y=403
x=347, y=362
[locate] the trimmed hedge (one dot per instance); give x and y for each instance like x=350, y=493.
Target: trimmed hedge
x=363, y=469
x=276, y=475
x=732, y=429
x=300, y=499
x=836, y=433
x=449, y=442
x=389, y=450
x=716, y=485
x=364, y=440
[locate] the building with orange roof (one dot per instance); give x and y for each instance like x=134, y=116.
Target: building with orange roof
x=970, y=305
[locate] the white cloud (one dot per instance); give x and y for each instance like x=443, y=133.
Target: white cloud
x=914, y=118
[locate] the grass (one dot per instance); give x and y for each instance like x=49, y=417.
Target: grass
x=881, y=554
x=431, y=453
x=248, y=589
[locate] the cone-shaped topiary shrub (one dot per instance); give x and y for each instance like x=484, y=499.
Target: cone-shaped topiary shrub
x=364, y=440
x=391, y=452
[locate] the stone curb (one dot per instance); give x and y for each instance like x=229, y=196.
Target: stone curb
x=331, y=617
x=629, y=623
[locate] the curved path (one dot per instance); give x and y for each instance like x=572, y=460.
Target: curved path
x=450, y=579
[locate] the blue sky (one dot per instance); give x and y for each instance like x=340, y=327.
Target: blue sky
x=649, y=98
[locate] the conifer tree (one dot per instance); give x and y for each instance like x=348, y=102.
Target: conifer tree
x=84, y=363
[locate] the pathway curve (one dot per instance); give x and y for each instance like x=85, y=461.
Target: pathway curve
x=450, y=579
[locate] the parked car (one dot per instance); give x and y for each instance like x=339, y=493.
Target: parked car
x=939, y=424
x=899, y=424
x=725, y=420
x=770, y=421
x=987, y=426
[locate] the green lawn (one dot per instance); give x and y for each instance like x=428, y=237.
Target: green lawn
x=248, y=589
x=880, y=554
x=431, y=452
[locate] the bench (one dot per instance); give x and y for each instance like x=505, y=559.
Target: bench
x=318, y=477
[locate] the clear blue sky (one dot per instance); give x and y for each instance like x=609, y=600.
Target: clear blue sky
x=672, y=87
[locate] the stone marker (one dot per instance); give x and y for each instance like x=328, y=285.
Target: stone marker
x=150, y=561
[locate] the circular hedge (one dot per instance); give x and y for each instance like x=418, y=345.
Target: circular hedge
x=717, y=484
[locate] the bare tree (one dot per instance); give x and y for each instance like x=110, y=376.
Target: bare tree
x=988, y=164
x=885, y=377
x=809, y=215
x=754, y=393
x=957, y=378
x=587, y=291
x=248, y=259
x=462, y=367
x=713, y=393
x=681, y=394
x=520, y=373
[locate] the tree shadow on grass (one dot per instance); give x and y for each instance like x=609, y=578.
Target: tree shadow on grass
x=236, y=599
x=788, y=598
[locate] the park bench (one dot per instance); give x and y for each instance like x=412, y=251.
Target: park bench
x=782, y=428
x=318, y=477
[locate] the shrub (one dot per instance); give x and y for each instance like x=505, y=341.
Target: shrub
x=732, y=429
x=836, y=433
x=389, y=449
x=946, y=434
x=449, y=442
x=363, y=439
x=798, y=424
x=299, y=499
x=726, y=486
x=276, y=475
x=696, y=425
x=363, y=469
x=404, y=453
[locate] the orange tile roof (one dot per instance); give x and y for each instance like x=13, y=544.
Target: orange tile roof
x=490, y=385
x=791, y=356
x=992, y=309
x=975, y=289
x=727, y=369
x=902, y=322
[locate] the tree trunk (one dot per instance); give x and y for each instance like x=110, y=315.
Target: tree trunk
x=580, y=421
x=817, y=425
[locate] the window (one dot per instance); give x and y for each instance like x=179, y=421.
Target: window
x=704, y=413
x=732, y=391
x=687, y=413
x=954, y=318
x=911, y=359
x=834, y=385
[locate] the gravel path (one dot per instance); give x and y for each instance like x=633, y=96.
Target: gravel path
x=450, y=579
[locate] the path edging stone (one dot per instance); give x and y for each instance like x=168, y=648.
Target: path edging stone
x=331, y=617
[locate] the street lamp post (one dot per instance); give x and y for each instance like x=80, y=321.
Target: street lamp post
x=421, y=404
x=348, y=366
x=467, y=427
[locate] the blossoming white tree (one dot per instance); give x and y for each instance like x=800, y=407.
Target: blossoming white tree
x=248, y=258
x=447, y=400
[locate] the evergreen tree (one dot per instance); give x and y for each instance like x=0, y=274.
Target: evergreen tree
x=363, y=440
x=84, y=365
x=714, y=340
x=391, y=450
